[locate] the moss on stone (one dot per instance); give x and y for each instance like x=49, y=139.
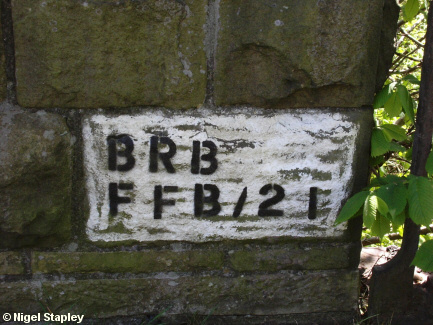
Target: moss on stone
x=297, y=174
x=117, y=227
x=153, y=231
x=131, y=262
x=332, y=156
x=314, y=258
x=109, y=53
x=35, y=179
x=288, y=293
x=298, y=53
x=11, y=263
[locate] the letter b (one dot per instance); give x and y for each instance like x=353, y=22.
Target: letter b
x=113, y=152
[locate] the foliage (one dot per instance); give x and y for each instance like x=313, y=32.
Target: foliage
x=394, y=194
x=424, y=257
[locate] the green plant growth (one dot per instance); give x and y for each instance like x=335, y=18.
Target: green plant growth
x=394, y=194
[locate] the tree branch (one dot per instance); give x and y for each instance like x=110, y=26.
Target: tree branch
x=391, y=283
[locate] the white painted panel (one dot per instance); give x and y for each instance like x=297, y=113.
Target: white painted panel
x=296, y=149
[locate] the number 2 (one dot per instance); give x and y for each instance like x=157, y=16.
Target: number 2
x=263, y=207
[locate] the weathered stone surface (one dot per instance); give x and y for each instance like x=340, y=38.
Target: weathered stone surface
x=327, y=318
x=298, y=53
x=315, y=258
x=20, y=297
x=272, y=294
x=3, y=84
x=11, y=263
x=110, y=53
x=132, y=262
x=35, y=178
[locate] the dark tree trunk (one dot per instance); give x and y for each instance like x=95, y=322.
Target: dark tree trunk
x=391, y=283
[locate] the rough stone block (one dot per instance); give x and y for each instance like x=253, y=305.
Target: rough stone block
x=76, y=53
x=11, y=263
x=308, y=258
x=35, y=178
x=284, y=293
x=298, y=53
x=3, y=83
x=20, y=297
x=132, y=262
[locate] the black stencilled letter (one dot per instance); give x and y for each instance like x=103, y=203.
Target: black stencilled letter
x=200, y=200
x=195, y=160
x=210, y=157
x=159, y=201
x=164, y=156
x=114, y=197
x=312, y=205
x=113, y=152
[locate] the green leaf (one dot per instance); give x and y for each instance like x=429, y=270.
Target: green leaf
x=394, y=132
x=370, y=210
x=424, y=257
x=396, y=147
x=412, y=79
x=381, y=226
x=408, y=154
x=388, y=179
x=382, y=96
x=399, y=219
x=410, y=9
x=393, y=105
x=379, y=181
x=395, y=179
x=352, y=206
x=379, y=143
x=420, y=197
x=395, y=197
x=406, y=102
x=382, y=207
x=429, y=164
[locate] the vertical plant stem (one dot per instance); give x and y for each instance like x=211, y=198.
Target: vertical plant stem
x=391, y=283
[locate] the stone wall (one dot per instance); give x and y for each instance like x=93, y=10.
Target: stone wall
x=64, y=62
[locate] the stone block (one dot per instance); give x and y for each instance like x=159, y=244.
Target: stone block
x=20, y=297
x=35, y=179
x=298, y=53
x=131, y=262
x=320, y=257
x=11, y=263
x=298, y=151
x=91, y=54
x=283, y=293
x=3, y=83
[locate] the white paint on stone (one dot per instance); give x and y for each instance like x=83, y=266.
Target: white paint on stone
x=297, y=149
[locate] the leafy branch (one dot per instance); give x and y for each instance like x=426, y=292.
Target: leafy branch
x=399, y=198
